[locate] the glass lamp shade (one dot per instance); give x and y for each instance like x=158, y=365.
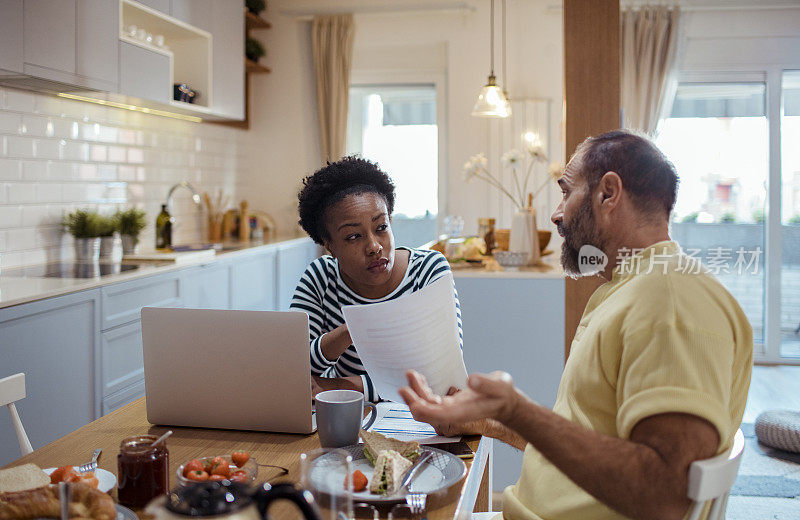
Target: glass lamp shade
x=492, y=102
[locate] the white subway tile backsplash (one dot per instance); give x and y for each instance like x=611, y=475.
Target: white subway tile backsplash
x=21, y=193
x=34, y=170
x=37, y=214
x=117, y=154
x=10, y=170
x=20, y=146
x=18, y=101
x=10, y=216
x=58, y=155
x=47, y=192
x=47, y=148
x=10, y=123
x=35, y=125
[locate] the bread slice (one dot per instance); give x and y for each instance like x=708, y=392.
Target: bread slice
x=374, y=443
x=22, y=478
x=390, y=467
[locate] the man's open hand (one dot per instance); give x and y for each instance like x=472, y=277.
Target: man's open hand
x=490, y=396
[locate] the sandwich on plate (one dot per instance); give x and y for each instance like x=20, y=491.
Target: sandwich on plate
x=374, y=443
x=390, y=467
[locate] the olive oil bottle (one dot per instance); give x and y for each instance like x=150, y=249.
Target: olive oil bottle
x=164, y=229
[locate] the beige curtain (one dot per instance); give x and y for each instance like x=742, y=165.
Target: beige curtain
x=649, y=64
x=332, y=46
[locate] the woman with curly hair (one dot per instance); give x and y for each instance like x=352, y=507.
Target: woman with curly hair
x=346, y=207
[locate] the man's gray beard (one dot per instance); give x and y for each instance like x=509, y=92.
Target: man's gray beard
x=581, y=232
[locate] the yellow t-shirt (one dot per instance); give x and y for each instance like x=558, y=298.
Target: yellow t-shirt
x=662, y=336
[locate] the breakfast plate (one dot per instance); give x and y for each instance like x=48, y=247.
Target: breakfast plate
x=105, y=479
x=440, y=472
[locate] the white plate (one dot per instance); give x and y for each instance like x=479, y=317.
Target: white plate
x=123, y=513
x=106, y=479
x=438, y=473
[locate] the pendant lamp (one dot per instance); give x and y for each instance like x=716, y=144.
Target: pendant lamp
x=492, y=101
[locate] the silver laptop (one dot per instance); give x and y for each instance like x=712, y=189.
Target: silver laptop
x=242, y=370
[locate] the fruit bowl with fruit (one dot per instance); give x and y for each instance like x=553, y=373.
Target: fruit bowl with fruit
x=237, y=467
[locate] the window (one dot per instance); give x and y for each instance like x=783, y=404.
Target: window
x=790, y=218
x=396, y=126
x=717, y=137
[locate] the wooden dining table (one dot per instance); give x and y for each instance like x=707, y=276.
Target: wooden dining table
x=471, y=493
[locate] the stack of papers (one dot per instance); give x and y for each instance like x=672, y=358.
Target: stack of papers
x=395, y=420
x=418, y=331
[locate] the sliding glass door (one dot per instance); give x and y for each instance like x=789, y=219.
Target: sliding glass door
x=734, y=141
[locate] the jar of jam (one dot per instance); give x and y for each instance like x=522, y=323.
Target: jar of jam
x=142, y=470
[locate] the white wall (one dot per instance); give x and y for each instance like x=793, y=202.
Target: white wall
x=284, y=145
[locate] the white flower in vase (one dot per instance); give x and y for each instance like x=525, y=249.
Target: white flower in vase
x=512, y=158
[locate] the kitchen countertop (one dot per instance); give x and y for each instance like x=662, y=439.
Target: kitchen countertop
x=16, y=290
x=548, y=268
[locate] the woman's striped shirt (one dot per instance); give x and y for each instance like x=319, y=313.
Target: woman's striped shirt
x=321, y=293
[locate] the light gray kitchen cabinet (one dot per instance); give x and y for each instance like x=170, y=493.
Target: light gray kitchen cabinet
x=49, y=36
x=11, y=36
x=196, y=12
x=253, y=281
x=55, y=342
x=97, y=43
x=122, y=302
x=293, y=259
x=123, y=397
x=162, y=6
x=207, y=286
x=72, y=42
x=228, y=58
x=121, y=353
x=144, y=73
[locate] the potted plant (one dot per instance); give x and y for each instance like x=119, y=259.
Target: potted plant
x=82, y=224
x=255, y=6
x=130, y=223
x=110, y=243
x=253, y=49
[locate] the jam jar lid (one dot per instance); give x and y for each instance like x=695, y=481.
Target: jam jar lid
x=209, y=498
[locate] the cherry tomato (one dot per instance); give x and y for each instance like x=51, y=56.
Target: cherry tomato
x=216, y=477
x=62, y=474
x=239, y=476
x=220, y=466
x=240, y=457
x=91, y=481
x=359, y=481
x=192, y=465
x=198, y=475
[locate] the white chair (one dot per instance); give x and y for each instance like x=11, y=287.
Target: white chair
x=712, y=480
x=12, y=389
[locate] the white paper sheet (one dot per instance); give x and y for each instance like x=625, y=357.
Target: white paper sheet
x=395, y=420
x=417, y=331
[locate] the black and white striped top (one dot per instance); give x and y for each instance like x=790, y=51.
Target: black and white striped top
x=321, y=293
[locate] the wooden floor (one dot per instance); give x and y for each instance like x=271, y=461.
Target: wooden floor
x=771, y=388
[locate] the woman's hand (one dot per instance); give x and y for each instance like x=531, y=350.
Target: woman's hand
x=321, y=384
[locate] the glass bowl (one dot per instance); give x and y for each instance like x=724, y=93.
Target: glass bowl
x=250, y=468
x=511, y=259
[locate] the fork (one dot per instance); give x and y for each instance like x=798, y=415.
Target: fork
x=90, y=466
x=416, y=502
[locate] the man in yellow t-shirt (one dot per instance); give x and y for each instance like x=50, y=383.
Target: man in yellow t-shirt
x=659, y=369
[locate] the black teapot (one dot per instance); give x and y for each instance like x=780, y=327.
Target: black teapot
x=229, y=501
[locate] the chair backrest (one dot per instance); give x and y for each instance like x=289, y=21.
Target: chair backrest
x=712, y=480
x=12, y=389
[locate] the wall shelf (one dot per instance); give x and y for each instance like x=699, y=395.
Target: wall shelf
x=253, y=21
x=253, y=67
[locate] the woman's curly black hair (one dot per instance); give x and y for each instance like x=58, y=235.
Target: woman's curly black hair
x=348, y=176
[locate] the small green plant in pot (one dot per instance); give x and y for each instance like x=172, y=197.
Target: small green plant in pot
x=131, y=222
x=110, y=242
x=253, y=49
x=83, y=225
x=255, y=6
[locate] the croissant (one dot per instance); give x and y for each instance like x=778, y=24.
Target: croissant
x=87, y=503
